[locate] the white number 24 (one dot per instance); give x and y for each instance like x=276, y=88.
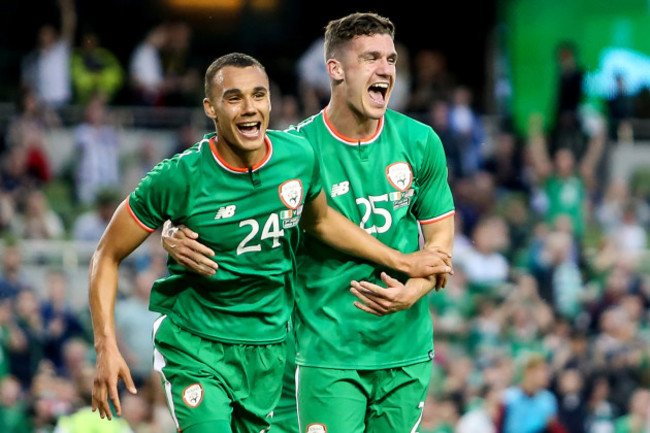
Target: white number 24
x=271, y=229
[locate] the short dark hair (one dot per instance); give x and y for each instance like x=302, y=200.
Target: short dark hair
x=342, y=30
x=238, y=60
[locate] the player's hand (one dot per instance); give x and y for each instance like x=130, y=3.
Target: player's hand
x=427, y=262
x=381, y=301
x=110, y=368
x=181, y=244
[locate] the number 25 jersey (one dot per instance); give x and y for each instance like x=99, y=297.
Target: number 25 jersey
x=387, y=184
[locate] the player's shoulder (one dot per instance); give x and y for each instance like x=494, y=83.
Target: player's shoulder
x=307, y=125
x=188, y=160
x=401, y=120
x=285, y=141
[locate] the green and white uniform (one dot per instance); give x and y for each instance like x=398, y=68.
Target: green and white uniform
x=388, y=184
x=249, y=217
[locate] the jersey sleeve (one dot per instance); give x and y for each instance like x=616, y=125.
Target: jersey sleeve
x=315, y=186
x=158, y=197
x=434, y=201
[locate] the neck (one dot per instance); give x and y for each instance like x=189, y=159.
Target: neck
x=240, y=158
x=350, y=122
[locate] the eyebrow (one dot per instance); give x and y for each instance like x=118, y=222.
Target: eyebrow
x=236, y=91
x=377, y=54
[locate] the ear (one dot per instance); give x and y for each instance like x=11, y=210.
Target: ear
x=209, y=109
x=335, y=69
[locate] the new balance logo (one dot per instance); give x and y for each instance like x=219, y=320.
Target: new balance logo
x=225, y=212
x=340, y=188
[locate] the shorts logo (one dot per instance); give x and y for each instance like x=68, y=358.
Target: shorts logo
x=400, y=175
x=291, y=193
x=316, y=428
x=193, y=395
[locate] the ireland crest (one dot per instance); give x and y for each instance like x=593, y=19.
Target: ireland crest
x=291, y=193
x=400, y=175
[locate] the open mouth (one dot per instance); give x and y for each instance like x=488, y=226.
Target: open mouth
x=250, y=129
x=378, y=92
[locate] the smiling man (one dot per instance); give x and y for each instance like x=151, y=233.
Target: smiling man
x=220, y=340
x=364, y=362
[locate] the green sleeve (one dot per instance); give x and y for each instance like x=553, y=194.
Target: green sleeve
x=434, y=198
x=161, y=195
x=316, y=181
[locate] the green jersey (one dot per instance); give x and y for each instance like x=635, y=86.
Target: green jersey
x=566, y=197
x=249, y=218
x=388, y=184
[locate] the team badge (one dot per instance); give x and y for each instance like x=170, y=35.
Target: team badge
x=316, y=428
x=291, y=193
x=400, y=175
x=193, y=395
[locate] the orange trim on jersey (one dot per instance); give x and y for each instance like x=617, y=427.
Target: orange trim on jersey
x=137, y=220
x=213, y=147
x=348, y=139
x=438, y=218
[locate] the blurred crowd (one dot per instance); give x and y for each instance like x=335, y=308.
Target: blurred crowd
x=551, y=292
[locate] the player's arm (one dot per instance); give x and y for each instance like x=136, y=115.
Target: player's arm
x=396, y=296
x=332, y=228
x=122, y=235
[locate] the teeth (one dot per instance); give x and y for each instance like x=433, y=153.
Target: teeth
x=246, y=125
x=382, y=85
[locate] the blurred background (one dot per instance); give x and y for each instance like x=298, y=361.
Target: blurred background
x=543, y=107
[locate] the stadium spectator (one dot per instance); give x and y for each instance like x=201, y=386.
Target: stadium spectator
x=432, y=80
x=483, y=415
x=47, y=68
x=26, y=351
x=146, y=74
x=467, y=126
x=637, y=419
x=12, y=277
x=14, y=407
x=313, y=79
x=95, y=70
x=60, y=321
x=439, y=119
x=89, y=226
x=484, y=264
x=182, y=80
x=567, y=128
x=96, y=152
x=37, y=220
x=529, y=407
x=572, y=406
x=133, y=323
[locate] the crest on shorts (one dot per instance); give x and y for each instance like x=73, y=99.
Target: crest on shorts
x=193, y=395
x=316, y=428
x=400, y=175
x=291, y=193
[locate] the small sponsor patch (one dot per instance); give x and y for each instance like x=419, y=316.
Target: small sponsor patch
x=290, y=223
x=400, y=175
x=431, y=354
x=316, y=428
x=193, y=395
x=401, y=203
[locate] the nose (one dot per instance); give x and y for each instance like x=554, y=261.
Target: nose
x=386, y=67
x=249, y=105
